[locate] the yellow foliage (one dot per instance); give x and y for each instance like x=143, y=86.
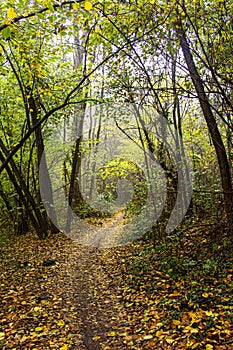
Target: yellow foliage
x=76, y=6
x=87, y=5
x=11, y=13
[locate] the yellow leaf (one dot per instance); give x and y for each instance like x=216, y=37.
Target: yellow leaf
x=97, y=337
x=209, y=347
x=24, y=302
x=160, y=334
x=209, y=313
x=64, y=347
x=152, y=1
x=2, y=335
x=61, y=323
x=76, y=6
x=87, y=5
x=147, y=337
x=112, y=334
x=37, y=308
x=175, y=294
x=190, y=329
x=23, y=339
x=176, y=322
x=205, y=295
x=11, y=13
x=170, y=340
x=194, y=330
x=193, y=315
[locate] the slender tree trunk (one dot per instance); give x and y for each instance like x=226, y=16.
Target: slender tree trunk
x=211, y=123
x=6, y=201
x=179, y=134
x=93, y=167
x=42, y=163
x=75, y=198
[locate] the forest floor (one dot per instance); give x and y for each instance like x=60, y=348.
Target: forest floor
x=57, y=294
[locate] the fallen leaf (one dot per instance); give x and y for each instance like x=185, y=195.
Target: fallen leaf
x=2, y=335
x=209, y=347
x=61, y=323
x=147, y=337
x=176, y=322
x=112, y=334
x=205, y=295
x=170, y=340
x=38, y=329
x=64, y=347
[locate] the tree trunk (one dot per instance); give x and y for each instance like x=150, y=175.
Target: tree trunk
x=75, y=198
x=42, y=164
x=22, y=191
x=211, y=123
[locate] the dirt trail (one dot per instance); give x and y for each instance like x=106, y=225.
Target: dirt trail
x=95, y=297
x=106, y=233
x=72, y=304
x=95, y=290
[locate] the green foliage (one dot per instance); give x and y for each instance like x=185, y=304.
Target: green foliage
x=145, y=66
x=116, y=170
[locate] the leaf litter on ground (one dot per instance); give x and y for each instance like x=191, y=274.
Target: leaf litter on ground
x=138, y=296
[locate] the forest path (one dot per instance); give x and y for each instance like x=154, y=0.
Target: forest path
x=57, y=294
x=100, y=233
x=95, y=297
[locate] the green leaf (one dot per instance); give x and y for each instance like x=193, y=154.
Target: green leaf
x=50, y=7
x=52, y=19
x=40, y=15
x=38, y=329
x=6, y=33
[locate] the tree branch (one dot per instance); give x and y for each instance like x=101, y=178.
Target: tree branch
x=33, y=14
